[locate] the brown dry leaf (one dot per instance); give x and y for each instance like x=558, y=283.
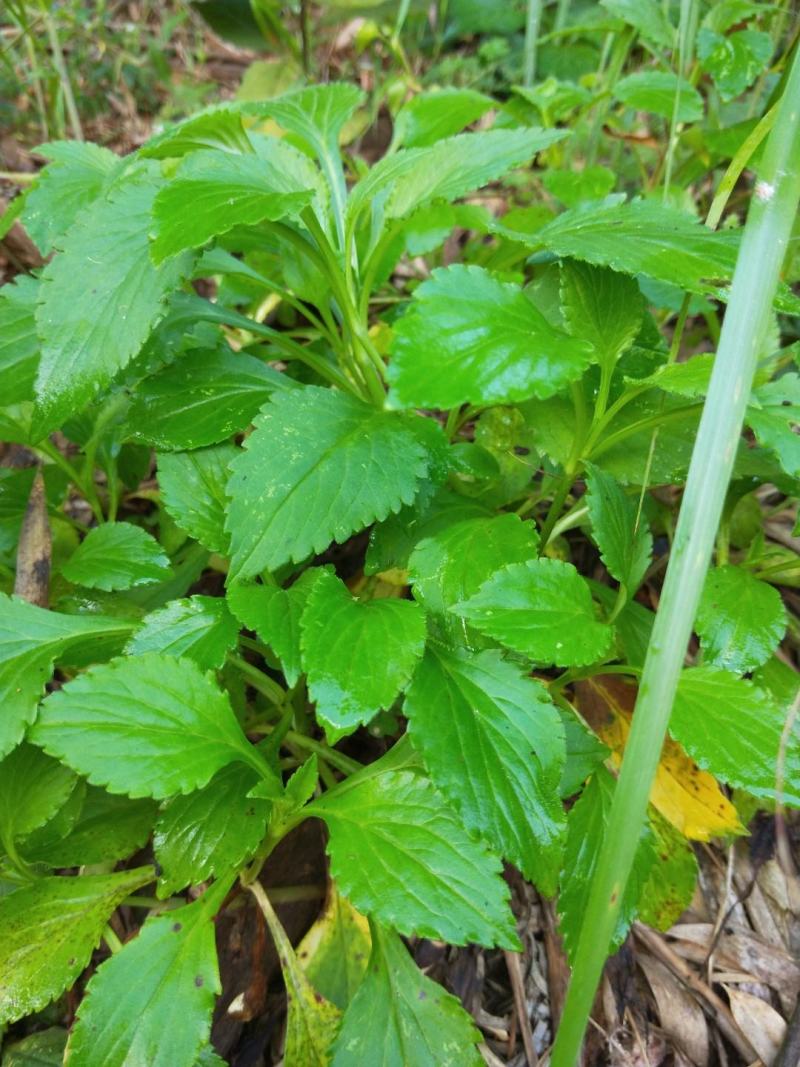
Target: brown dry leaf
x=762, y=1024
x=741, y=950
x=32, y=581
x=685, y=795
x=681, y=1018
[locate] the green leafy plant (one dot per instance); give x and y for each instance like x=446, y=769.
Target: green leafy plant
x=358, y=540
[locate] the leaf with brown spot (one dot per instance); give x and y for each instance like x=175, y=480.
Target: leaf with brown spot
x=685, y=795
x=335, y=951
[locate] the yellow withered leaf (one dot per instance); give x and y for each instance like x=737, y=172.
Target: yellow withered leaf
x=688, y=797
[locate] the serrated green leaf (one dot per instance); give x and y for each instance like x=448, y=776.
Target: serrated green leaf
x=641, y=237
x=209, y=832
x=399, y=1016
x=99, y=299
x=115, y=556
x=454, y=563
x=647, y=16
x=358, y=656
x=586, y=826
x=392, y=541
x=209, y=1058
x=314, y=118
x=107, y=828
x=202, y=399
x=655, y=91
x=193, y=492
x=602, y=307
x=772, y=414
x=584, y=752
x=732, y=729
x=151, y=1003
x=31, y=641
x=58, y=826
x=32, y=789
x=335, y=951
x=211, y=193
x=451, y=168
x=42, y=1049
x=402, y=856
x=626, y=547
x=145, y=725
x=48, y=931
x=494, y=745
x=470, y=338
x=542, y=609
x=740, y=620
x=315, y=115
x=218, y=127
x=779, y=680
x=319, y=466
x=274, y=614
x=430, y=116
x=734, y=61
x=200, y=627
x=573, y=187
x=78, y=173
x=668, y=891
x=19, y=344
x=690, y=378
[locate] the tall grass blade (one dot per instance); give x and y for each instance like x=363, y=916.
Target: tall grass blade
x=769, y=224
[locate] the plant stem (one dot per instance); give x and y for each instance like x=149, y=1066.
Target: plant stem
x=259, y=681
x=336, y=759
x=531, y=33
x=755, y=279
x=112, y=941
x=61, y=69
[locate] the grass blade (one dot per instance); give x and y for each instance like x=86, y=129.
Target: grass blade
x=763, y=247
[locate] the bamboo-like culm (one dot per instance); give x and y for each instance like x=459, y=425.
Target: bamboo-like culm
x=769, y=225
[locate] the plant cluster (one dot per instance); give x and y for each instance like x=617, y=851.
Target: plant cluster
x=496, y=451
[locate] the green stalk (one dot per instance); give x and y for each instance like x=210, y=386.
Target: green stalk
x=63, y=74
x=687, y=24
x=531, y=34
x=763, y=247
